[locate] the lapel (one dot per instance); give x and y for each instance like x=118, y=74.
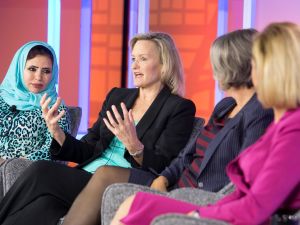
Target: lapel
x=213, y=145
x=130, y=99
x=151, y=114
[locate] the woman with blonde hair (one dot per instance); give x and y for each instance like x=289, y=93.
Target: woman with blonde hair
x=172, y=70
x=266, y=174
x=143, y=127
x=236, y=122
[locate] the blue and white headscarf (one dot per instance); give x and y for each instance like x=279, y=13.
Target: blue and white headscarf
x=13, y=89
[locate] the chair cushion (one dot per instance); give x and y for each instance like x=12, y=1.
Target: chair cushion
x=11, y=170
x=75, y=117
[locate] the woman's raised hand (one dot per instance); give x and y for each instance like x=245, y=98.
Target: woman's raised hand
x=123, y=129
x=52, y=116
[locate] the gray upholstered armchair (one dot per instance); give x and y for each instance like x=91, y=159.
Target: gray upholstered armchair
x=12, y=168
x=115, y=194
x=75, y=117
x=179, y=219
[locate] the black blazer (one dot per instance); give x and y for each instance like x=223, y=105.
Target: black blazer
x=237, y=134
x=164, y=130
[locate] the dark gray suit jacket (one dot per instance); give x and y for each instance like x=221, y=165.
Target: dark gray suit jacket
x=237, y=134
x=164, y=130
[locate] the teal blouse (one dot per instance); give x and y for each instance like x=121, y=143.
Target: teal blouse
x=112, y=156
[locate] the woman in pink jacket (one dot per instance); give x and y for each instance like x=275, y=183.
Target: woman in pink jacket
x=266, y=175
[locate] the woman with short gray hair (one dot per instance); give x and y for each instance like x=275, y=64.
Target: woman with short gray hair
x=231, y=60
x=266, y=175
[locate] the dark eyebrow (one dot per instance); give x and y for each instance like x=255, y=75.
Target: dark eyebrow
x=48, y=68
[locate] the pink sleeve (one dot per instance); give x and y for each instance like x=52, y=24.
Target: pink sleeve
x=278, y=178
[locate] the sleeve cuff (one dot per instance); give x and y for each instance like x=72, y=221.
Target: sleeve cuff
x=55, y=148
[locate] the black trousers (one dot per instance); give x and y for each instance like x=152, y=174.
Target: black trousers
x=42, y=194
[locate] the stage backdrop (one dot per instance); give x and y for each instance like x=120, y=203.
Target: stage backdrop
x=106, y=52
x=192, y=23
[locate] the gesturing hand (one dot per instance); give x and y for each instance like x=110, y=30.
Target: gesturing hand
x=124, y=130
x=52, y=116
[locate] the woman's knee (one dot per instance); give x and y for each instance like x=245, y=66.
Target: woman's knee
x=102, y=174
x=111, y=174
x=39, y=167
x=42, y=169
x=103, y=169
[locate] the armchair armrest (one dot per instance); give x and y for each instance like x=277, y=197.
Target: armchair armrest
x=115, y=194
x=10, y=171
x=178, y=219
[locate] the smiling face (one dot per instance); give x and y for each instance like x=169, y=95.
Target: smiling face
x=146, y=65
x=38, y=73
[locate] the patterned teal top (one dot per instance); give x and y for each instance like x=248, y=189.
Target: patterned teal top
x=24, y=133
x=112, y=156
